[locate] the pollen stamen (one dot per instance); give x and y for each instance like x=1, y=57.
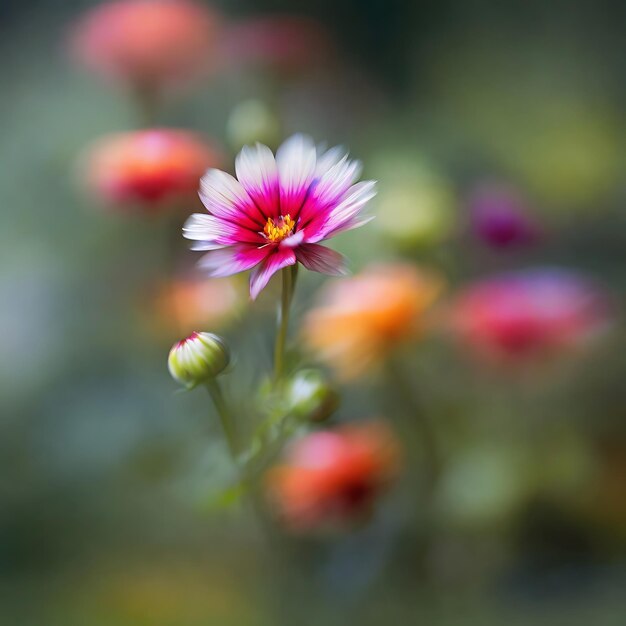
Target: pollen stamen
x=279, y=230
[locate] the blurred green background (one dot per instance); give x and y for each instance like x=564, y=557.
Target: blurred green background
x=107, y=475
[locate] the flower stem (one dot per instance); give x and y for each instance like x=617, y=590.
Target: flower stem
x=248, y=480
x=225, y=415
x=289, y=275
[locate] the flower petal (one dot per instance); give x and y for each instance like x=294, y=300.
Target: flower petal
x=293, y=240
x=209, y=231
x=257, y=172
x=345, y=215
x=337, y=180
x=226, y=198
x=326, y=192
x=212, y=232
x=351, y=224
x=321, y=259
x=232, y=260
x=327, y=158
x=281, y=257
x=296, y=160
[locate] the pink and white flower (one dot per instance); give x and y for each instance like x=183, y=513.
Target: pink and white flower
x=278, y=210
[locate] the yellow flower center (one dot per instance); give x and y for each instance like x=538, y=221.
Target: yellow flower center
x=277, y=231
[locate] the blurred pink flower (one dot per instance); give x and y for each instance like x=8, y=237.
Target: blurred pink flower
x=500, y=217
x=529, y=314
x=151, y=168
x=278, y=211
x=147, y=43
x=332, y=478
x=283, y=43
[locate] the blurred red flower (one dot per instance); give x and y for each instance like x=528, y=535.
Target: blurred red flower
x=151, y=168
x=521, y=315
x=147, y=43
x=332, y=478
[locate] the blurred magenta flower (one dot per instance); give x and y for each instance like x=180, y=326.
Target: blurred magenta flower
x=278, y=211
x=362, y=319
x=500, y=218
x=332, y=478
x=147, y=43
x=528, y=314
x=286, y=44
x=152, y=169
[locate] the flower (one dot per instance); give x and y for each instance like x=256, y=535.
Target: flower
x=362, y=319
x=197, y=359
x=333, y=477
x=499, y=217
x=521, y=315
x=147, y=43
x=278, y=211
x=151, y=168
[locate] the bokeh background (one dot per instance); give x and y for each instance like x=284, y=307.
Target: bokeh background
x=110, y=481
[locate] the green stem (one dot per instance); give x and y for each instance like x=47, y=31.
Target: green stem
x=225, y=415
x=248, y=480
x=289, y=275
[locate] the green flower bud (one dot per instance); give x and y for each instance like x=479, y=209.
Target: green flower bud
x=198, y=358
x=309, y=396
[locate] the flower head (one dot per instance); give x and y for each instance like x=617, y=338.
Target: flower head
x=150, y=168
x=278, y=210
x=198, y=358
x=147, y=43
x=331, y=478
x=362, y=319
x=521, y=315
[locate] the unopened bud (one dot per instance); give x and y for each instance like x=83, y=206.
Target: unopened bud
x=198, y=358
x=310, y=396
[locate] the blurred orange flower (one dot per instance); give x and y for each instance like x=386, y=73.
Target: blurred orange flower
x=332, y=478
x=189, y=303
x=147, y=43
x=151, y=168
x=362, y=319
